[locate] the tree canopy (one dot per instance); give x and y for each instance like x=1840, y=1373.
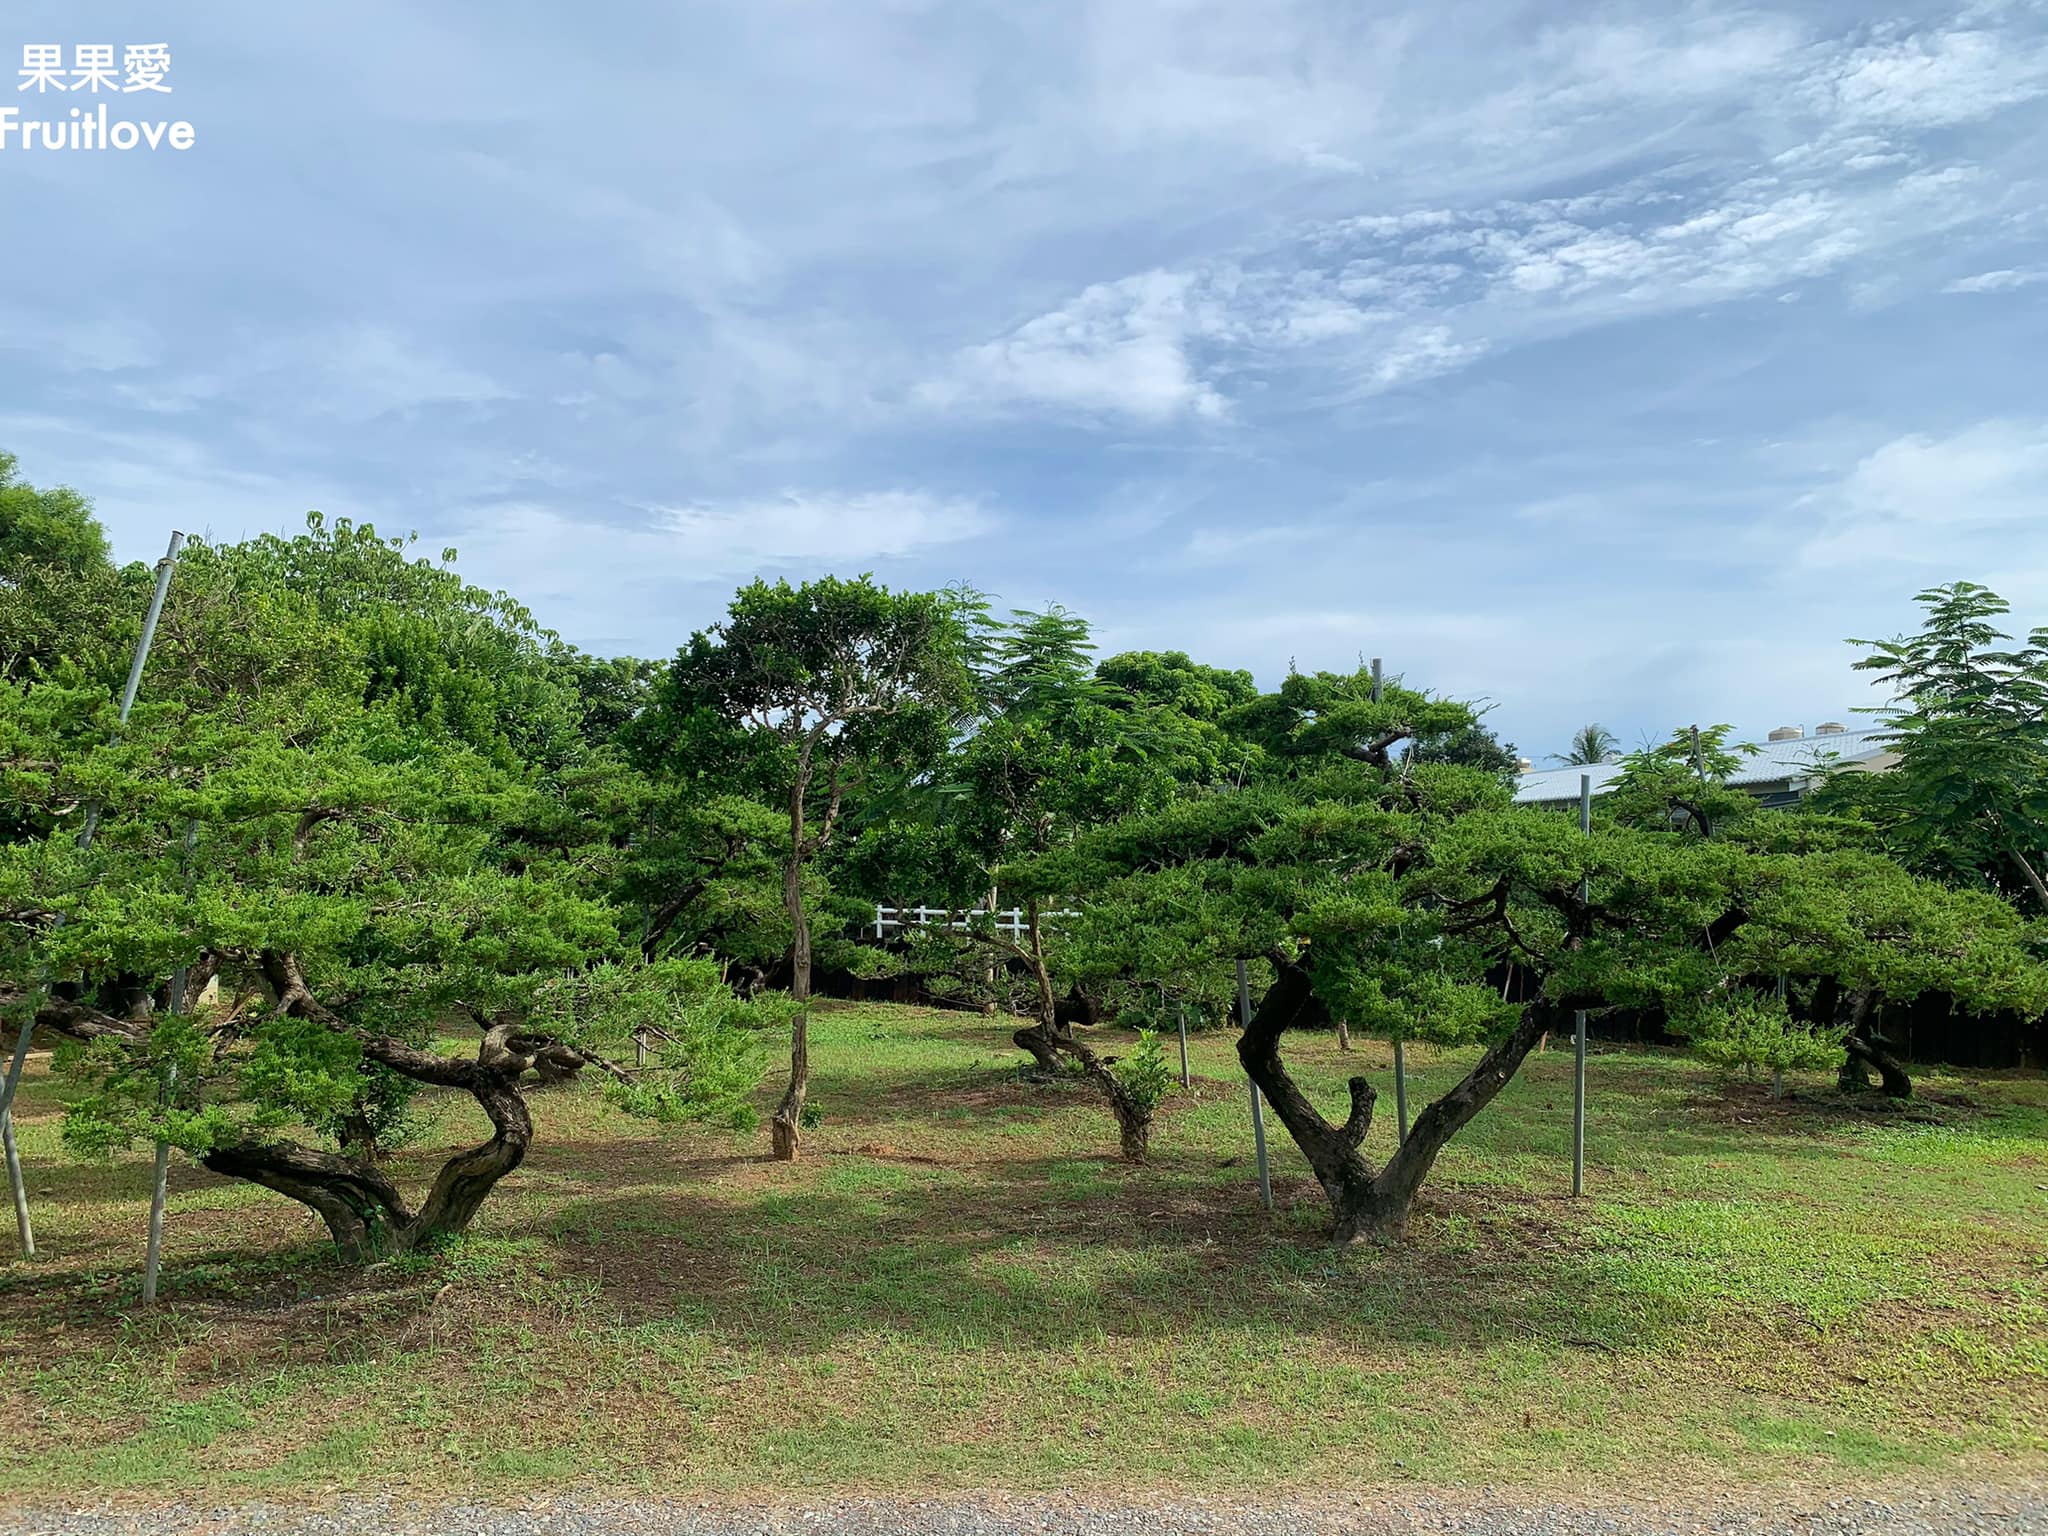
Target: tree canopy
x=372, y=831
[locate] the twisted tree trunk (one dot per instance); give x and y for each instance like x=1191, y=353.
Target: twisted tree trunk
x=363, y=1209
x=1045, y=1036
x=1864, y=1050
x=1133, y=1118
x=1368, y=1202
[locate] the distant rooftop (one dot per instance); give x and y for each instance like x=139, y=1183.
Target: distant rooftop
x=1790, y=761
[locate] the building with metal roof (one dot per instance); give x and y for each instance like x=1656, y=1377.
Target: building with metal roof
x=1778, y=773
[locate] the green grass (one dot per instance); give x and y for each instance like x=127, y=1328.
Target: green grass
x=958, y=1286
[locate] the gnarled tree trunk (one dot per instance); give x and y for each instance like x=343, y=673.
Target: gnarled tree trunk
x=1368, y=1202
x=1864, y=1051
x=1046, y=1035
x=364, y=1210
x=1133, y=1119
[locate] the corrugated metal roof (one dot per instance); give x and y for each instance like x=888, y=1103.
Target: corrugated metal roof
x=1774, y=762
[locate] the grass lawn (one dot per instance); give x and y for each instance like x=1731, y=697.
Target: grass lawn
x=959, y=1286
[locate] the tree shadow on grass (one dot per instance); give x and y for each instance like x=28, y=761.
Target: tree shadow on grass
x=992, y=1239
x=1052, y=1253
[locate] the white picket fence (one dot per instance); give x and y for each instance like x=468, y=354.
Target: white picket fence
x=1010, y=921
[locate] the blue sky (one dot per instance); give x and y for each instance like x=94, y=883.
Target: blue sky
x=1606, y=362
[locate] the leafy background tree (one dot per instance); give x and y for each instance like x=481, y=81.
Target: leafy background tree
x=1968, y=799
x=1590, y=745
x=809, y=692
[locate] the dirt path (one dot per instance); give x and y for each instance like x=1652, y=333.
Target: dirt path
x=2005, y=1511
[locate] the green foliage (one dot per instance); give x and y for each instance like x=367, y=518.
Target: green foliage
x=350, y=766
x=143, y=1094
x=704, y=1055
x=64, y=609
x=1968, y=799
x=1143, y=1074
x=1757, y=1032
x=1590, y=744
x=1682, y=783
x=1470, y=745
x=52, y=527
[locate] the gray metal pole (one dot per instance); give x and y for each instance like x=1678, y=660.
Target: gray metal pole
x=1181, y=1017
x=164, y=567
x=1579, y=1032
x=85, y=835
x=1376, y=680
x=1244, y=1019
x=152, y=1259
x=1778, y=1073
x=1401, y=1087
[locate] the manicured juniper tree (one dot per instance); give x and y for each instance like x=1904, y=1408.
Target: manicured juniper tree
x=1860, y=934
x=1396, y=893
x=807, y=693
x=323, y=811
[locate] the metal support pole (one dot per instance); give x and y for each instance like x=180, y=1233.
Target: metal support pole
x=152, y=1259
x=1401, y=1088
x=1181, y=1018
x=1579, y=1032
x=1244, y=1019
x=164, y=567
x=12, y=1082
x=1376, y=680
x=639, y=1047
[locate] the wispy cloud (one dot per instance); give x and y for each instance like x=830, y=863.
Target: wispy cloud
x=1934, y=500
x=2003, y=280
x=1251, y=321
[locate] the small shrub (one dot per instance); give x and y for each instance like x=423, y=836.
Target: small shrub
x=1144, y=1075
x=1756, y=1032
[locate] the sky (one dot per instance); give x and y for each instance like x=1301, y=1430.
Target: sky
x=1599, y=362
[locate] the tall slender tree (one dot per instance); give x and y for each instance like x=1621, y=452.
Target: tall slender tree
x=805, y=693
x=1968, y=798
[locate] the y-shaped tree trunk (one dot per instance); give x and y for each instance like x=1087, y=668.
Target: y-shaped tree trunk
x=1367, y=1201
x=363, y=1209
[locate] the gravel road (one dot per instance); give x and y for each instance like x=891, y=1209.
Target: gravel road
x=1929, y=1512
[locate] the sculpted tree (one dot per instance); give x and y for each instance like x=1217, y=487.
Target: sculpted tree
x=289, y=818
x=1395, y=893
x=804, y=692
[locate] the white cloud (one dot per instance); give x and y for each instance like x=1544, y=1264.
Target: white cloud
x=801, y=529
x=2000, y=281
x=373, y=369
x=1120, y=348
x=621, y=583
x=1387, y=298
x=1930, y=79
x=1931, y=501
